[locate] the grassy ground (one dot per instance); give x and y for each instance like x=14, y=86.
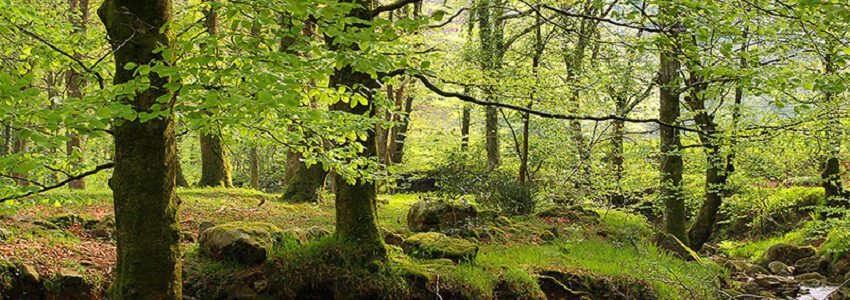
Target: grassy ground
x=617, y=246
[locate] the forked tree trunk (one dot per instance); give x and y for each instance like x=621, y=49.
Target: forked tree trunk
x=301, y=184
x=143, y=180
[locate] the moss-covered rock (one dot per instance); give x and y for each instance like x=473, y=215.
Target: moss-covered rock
x=786, y=253
x=19, y=281
x=72, y=285
x=65, y=220
x=574, y=213
x=438, y=245
x=439, y=215
x=517, y=284
x=243, y=242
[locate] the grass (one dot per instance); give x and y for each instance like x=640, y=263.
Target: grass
x=622, y=251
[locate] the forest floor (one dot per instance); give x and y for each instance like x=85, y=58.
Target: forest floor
x=616, y=246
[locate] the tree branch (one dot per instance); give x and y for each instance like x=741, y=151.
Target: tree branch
x=392, y=6
x=61, y=183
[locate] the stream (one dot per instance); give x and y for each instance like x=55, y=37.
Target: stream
x=816, y=292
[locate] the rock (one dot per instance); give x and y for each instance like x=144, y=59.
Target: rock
x=547, y=236
x=72, y=285
x=786, y=253
x=756, y=269
x=582, y=284
x=19, y=281
x=751, y=287
x=306, y=235
x=778, y=268
x=204, y=226
x=737, y=266
x=813, y=264
x=812, y=279
x=675, y=246
x=438, y=245
x=65, y=220
x=243, y=242
x=778, y=285
x=839, y=269
x=574, y=213
x=105, y=229
x=392, y=238
x=45, y=224
x=439, y=215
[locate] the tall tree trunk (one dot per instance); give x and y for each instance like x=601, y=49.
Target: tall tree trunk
x=618, y=157
x=19, y=147
x=215, y=167
x=671, y=145
x=143, y=180
x=79, y=14
x=254, y=158
x=831, y=175
x=356, y=203
x=491, y=132
x=465, y=119
x=401, y=133
x=7, y=140
x=301, y=184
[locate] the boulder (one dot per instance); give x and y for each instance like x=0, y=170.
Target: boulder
x=392, y=238
x=19, y=281
x=811, y=279
x=673, y=245
x=786, y=253
x=438, y=245
x=439, y=215
x=66, y=220
x=779, y=268
x=813, y=264
x=778, y=285
x=756, y=269
x=105, y=229
x=305, y=235
x=72, y=285
x=242, y=242
x=574, y=213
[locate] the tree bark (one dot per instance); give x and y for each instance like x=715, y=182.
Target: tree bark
x=254, y=158
x=19, y=146
x=143, y=180
x=672, y=165
x=491, y=124
x=465, y=119
x=79, y=14
x=618, y=157
x=356, y=203
x=401, y=133
x=301, y=184
x=831, y=176
x=215, y=167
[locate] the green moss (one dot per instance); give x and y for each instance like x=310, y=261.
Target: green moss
x=438, y=245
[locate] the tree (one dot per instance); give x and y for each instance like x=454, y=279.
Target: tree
x=143, y=180
x=79, y=15
x=215, y=166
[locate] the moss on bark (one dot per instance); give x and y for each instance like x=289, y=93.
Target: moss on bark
x=301, y=184
x=143, y=180
x=215, y=168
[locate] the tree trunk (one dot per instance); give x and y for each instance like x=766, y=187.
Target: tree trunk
x=74, y=83
x=301, y=184
x=491, y=124
x=7, y=140
x=356, y=203
x=465, y=119
x=671, y=156
x=618, y=157
x=215, y=168
x=401, y=133
x=143, y=180
x=254, y=157
x=831, y=176
x=19, y=147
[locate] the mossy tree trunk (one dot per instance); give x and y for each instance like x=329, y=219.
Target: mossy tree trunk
x=79, y=15
x=672, y=165
x=143, y=180
x=831, y=176
x=491, y=36
x=465, y=120
x=400, y=135
x=301, y=184
x=356, y=203
x=215, y=167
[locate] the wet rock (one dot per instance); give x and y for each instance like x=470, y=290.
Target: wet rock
x=812, y=279
x=756, y=269
x=675, y=246
x=751, y=287
x=243, y=242
x=813, y=264
x=779, y=268
x=439, y=215
x=73, y=285
x=737, y=266
x=438, y=245
x=778, y=285
x=786, y=253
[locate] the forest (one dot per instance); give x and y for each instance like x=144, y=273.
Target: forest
x=424, y=149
